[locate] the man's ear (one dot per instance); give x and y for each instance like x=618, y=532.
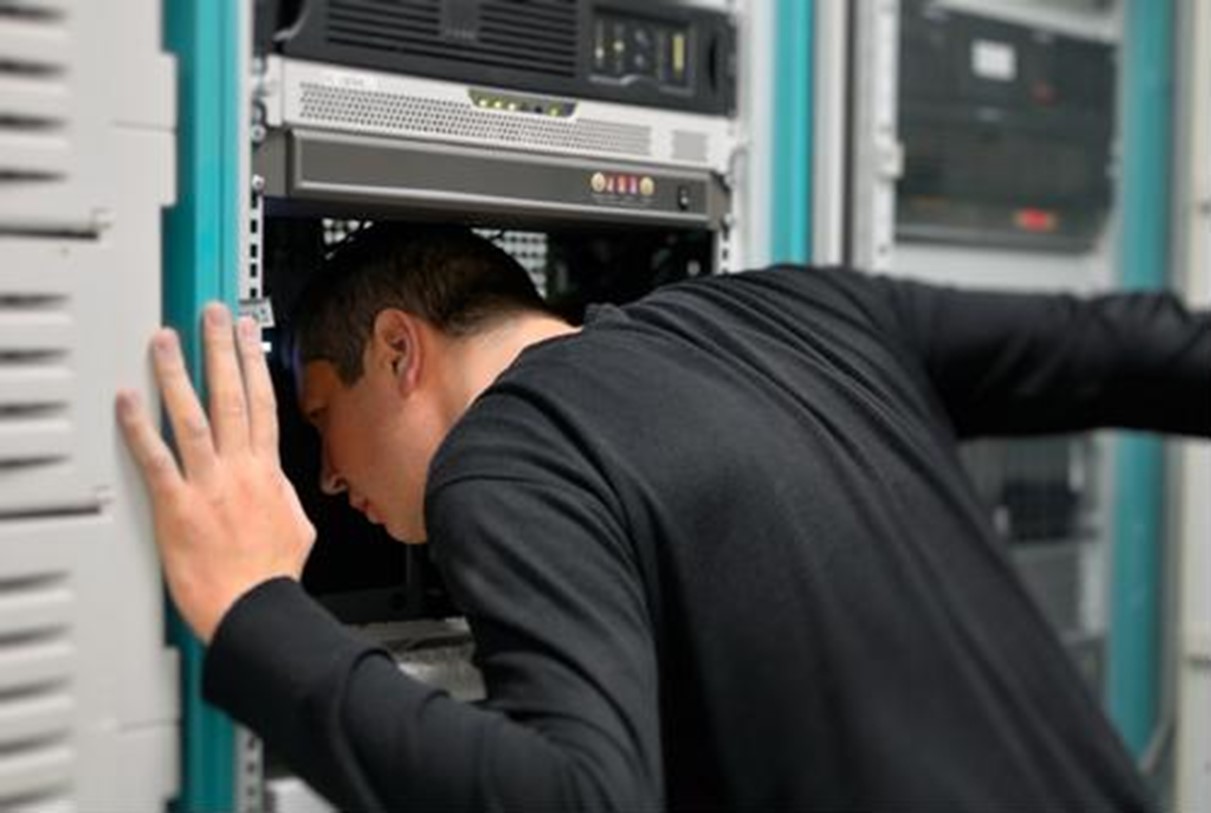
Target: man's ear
x=395, y=347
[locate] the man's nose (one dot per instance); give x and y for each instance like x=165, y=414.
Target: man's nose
x=331, y=483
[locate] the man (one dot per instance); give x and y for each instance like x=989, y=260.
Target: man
x=716, y=547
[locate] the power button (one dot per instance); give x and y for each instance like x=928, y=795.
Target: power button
x=683, y=198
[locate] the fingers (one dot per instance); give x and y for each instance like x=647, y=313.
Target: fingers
x=155, y=461
x=262, y=407
x=228, y=408
x=189, y=424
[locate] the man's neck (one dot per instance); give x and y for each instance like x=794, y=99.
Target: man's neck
x=471, y=364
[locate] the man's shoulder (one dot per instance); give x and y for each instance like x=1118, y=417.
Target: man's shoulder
x=810, y=294
x=781, y=277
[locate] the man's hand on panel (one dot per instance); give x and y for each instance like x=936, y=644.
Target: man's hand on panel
x=226, y=518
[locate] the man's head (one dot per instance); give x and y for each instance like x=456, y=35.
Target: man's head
x=386, y=356
x=458, y=282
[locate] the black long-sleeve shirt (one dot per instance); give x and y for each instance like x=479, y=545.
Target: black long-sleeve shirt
x=718, y=550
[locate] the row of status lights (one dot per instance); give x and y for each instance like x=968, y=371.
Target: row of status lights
x=600, y=182
x=554, y=109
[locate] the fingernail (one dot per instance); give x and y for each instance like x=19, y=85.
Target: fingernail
x=216, y=315
x=248, y=328
x=126, y=403
x=164, y=342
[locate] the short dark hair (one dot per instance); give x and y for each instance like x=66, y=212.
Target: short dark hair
x=456, y=280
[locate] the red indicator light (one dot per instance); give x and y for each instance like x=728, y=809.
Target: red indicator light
x=1036, y=220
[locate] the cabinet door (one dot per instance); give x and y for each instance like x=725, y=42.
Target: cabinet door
x=88, y=690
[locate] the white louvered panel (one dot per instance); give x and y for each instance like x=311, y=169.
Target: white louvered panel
x=33, y=324
x=34, y=604
x=36, y=336
x=43, y=803
x=34, y=64
x=38, y=666
x=38, y=7
x=41, y=660
x=34, y=380
x=88, y=694
x=50, y=422
x=24, y=489
x=27, y=718
x=25, y=663
x=36, y=770
x=52, y=143
x=34, y=101
x=34, y=42
x=36, y=653
x=34, y=441
x=31, y=157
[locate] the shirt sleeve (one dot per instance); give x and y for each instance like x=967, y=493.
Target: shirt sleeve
x=562, y=636
x=1018, y=363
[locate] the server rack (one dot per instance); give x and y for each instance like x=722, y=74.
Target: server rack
x=601, y=196
x=1010, y=75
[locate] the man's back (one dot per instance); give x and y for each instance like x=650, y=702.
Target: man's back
x=736, y=507
x=716, y=551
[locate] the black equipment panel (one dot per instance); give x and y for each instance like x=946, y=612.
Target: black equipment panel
x=630, y=51
x=1007, y=131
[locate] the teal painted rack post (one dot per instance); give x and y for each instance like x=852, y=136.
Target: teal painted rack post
x=201, y=251
x=791, y=167
x=1133, y=676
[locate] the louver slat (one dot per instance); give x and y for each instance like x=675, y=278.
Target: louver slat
x=36, y=661
x=36, y=333
x=34, y=147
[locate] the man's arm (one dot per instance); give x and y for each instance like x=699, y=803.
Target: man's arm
x=570, y=721
x=1011, y=363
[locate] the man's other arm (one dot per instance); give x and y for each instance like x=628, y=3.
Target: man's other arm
x=1019, y=363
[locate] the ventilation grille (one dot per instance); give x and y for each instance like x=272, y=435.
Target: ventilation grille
x=36, y=707
x=538, y=36
x=1037, y=489
x=528, y=248
x=34, y=94
x=35, y=381
x=337, y=231
x=396, y=113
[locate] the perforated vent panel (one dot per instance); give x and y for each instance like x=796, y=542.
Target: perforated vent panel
x=528, y=248
x=535, y=35
x=36, y=662
x=397, y=114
